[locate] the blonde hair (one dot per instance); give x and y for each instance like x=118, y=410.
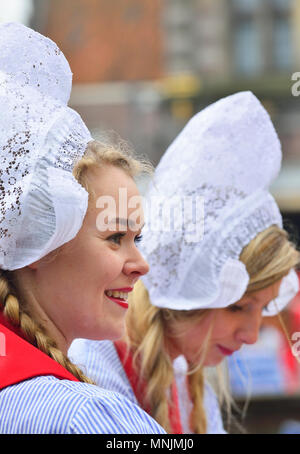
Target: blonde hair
x=15, y=309
x=268, y=257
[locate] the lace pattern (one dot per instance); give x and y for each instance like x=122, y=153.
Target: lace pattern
x=227, y=156
x=35, y=61
x=38, y=131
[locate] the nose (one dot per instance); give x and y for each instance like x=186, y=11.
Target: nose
x=136, y=265
x=248, y=330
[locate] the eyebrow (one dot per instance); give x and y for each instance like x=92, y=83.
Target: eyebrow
x=125, y=222
x=252, y=297
x=244, y=303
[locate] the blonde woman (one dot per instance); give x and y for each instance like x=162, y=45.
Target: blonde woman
x=59, y=262
x=209, y=284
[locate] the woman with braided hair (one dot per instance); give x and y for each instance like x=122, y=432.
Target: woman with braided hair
x=210, y=283
x=61, y=261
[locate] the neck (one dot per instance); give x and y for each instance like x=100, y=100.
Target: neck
x=172, y=349
x=49, y=328
x=36, y=312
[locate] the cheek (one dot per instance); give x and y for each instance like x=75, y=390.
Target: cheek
x=224, y=326
x=109, y=266
x=96, y=263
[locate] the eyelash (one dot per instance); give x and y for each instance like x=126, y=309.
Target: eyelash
x=116, y=238
x=235, y=308
x=138, y=238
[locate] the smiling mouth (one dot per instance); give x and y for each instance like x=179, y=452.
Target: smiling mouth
x=119, y=297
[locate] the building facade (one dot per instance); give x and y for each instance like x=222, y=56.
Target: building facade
x=143, y=69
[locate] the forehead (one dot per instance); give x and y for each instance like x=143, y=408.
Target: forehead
x=114, y=201
x=263, y=296
x=109, y=179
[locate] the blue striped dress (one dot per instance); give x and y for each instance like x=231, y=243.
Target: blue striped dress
x=99, y=360
x=47, y=405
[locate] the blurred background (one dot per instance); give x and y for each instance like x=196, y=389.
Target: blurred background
x=142, y=68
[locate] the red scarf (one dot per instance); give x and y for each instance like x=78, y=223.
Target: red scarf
x=20, y=360
x=139, y=386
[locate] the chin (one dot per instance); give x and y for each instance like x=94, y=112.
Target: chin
x=211, y=362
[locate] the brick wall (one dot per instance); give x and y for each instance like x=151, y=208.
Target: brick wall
x=108, y=40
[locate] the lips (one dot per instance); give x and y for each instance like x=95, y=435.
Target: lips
x=225, y=351
x=116, y=298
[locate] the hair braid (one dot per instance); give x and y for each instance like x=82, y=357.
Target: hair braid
x=145, y=338
x=198, y=421
x=32, y=331
x=148, y=328
x=157, y=369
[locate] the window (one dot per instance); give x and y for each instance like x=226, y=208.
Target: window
x=247, y=49
x=245, y=6
x=261, y=34
x=282, y=52
x=281, y=5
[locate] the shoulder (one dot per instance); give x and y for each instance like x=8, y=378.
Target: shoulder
x=100, y=362
x=47, y=405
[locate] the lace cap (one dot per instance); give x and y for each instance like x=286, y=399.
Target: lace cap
x=41, y=204
x=34, y=60
x=221, y=165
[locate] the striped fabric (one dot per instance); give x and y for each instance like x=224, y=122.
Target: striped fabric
x=46, y=405
x=100, y=361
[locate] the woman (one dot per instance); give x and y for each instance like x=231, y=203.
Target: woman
x=209, y=285
x=59, y=260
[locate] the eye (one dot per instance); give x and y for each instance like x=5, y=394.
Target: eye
x=234, y=308
x=116, y=237
x=138, y=239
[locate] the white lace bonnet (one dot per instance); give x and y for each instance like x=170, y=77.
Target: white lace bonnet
x=227, y=156
x=42, y=206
